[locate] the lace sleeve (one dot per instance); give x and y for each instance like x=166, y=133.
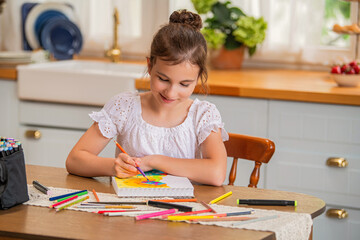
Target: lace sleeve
x=114, y=114
x=208, y=119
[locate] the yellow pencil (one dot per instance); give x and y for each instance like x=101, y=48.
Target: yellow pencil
x=117, y=206
x=184, y=218
x=221, y=197
x=72, y=203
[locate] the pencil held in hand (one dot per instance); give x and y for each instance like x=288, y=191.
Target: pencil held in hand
x=137, y=166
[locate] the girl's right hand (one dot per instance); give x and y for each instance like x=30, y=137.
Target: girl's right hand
x=124, y=166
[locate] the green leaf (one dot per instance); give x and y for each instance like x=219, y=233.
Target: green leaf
x=252, y=50
x=231, y=43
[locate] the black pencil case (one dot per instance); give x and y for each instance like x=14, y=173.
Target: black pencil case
x=13, y=184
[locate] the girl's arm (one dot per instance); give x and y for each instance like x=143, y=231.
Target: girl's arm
x=211, y=169
x=83, y=159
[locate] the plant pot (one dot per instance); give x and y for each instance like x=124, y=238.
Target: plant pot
x=227, y=59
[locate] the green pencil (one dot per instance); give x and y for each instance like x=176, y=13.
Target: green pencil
x=79, y=194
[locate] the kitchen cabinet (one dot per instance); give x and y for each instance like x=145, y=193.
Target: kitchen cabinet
x=9, y=109
x=307, y=135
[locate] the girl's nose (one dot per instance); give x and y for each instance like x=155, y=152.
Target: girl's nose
x=171, y=91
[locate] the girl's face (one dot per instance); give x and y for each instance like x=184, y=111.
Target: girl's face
x=172, y=84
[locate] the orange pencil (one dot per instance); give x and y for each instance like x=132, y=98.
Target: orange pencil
x=137, y=166
x=95, y=195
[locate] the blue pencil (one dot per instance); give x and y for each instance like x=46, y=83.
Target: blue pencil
x=65, y=195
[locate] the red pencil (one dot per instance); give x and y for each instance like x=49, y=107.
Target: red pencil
x=64, y=201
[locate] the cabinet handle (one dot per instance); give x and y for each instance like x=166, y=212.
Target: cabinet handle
x=337, y=162
x=337, y=213
x=34, y=134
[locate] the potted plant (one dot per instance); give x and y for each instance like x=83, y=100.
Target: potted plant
x=228, y=32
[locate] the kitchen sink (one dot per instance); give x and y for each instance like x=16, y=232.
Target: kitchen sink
x=77, y=81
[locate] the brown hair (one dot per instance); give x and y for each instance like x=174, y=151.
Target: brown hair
x=181, y=40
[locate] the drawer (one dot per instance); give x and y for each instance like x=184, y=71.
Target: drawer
x=314, y=127
x=53, y=145
x=329, y=228
x=308, y=173
x=56, y=115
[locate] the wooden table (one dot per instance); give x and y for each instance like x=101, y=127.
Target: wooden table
x=31, y=222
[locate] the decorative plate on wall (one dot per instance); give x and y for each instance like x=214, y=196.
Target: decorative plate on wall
x=62, y=38
x=37, y=10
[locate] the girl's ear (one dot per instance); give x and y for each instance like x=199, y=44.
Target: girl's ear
x=148, y=65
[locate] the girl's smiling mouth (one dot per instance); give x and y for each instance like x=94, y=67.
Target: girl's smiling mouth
x=166, y=100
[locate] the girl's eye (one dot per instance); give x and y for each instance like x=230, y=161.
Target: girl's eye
x=162, y=79
x=184, y=84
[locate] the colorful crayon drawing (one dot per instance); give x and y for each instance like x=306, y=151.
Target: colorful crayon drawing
x=139, y=181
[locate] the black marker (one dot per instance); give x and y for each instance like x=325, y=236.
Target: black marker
x=41, y=187
x=267, y=202
x=166, y=205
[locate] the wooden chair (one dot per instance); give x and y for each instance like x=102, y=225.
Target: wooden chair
x=259, y=150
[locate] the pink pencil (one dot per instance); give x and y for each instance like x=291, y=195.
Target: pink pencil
x=64, y=201
x=155, y=214
x=189, y=213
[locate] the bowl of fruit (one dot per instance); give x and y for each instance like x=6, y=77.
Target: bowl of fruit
x=346, y=75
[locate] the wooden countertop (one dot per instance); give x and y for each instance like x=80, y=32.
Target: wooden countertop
x=292, y=85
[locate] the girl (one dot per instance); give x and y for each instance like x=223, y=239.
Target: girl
x=161, y=129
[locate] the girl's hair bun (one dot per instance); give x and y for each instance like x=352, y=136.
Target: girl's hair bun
x=186, y=17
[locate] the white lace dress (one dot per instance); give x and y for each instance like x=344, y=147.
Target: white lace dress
x=121, y=117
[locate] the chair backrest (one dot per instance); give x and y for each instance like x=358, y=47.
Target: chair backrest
x=259, y=150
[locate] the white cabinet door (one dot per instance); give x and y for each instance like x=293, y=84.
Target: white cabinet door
x=306, y=135
x=9, y=120
x=243, y=116
x=54, y=145
x=334, y=229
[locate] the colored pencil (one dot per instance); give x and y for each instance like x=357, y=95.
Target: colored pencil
x=177, y=200
x=62, y=202
x=223, y=219
x=79, y=194
x=185, y=218
x=108, y=211
x=189, y=213
x=95, y=195
x=119, y=203
x=72, y=203
x=221, y=197
x=117, y=206
x=136, y=165
x=128, y=213
x=208, y=206
x=155, y=214
x=255, y=220
x=65, y=195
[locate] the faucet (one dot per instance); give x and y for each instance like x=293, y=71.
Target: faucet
x=114, y=53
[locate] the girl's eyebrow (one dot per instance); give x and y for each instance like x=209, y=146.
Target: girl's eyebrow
x=185, y=80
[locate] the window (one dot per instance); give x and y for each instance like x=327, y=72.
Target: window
x=299, y=32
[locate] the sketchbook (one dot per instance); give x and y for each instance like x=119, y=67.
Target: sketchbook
x=160, y=184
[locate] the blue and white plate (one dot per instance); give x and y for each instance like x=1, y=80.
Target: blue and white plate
x=39, y=9
x=62, y=38
x=43, y=18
